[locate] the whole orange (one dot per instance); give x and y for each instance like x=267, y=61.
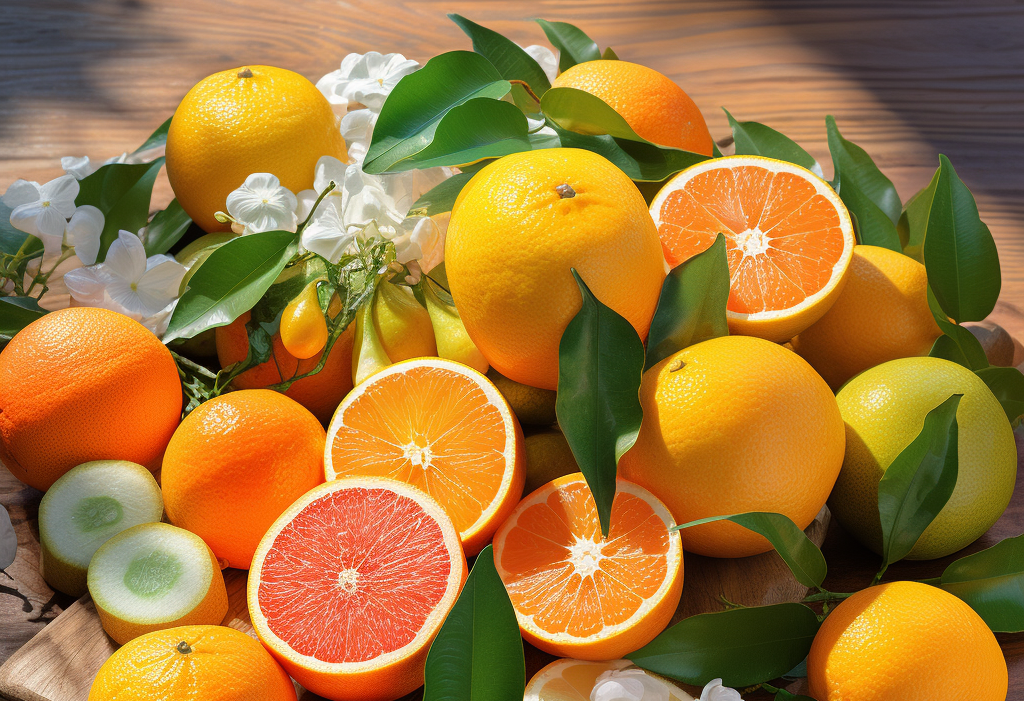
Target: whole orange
x=651, y=103
x=320, y=393
x=520, y=226
x=236, y=463
x=731, y=425
x=881, y=314
x=905, y=641
x=192, y=663
x=84, y=384
x=251, y=119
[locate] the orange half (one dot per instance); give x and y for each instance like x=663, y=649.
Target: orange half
x=579, y=595
x=788, y=236
x=351, y=584
x=442, y=427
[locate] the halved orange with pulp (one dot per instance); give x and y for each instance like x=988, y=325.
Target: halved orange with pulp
x=442, y=427
x=577, y=594
x=788, y=236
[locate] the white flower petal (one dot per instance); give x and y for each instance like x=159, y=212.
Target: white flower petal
x=547, y=59
x=83, y=232
x=329, y=169
x=714, y=691
x=39, y=219
x=326, y=235
x=88, y=285
x=365, y=79
x=80, y=167
x=159, y=285
x=21, y=192
x=57, y=294
x=61, y=193
x=262, y=204
x=126, y=257
x=306, y=200
x=124, y=299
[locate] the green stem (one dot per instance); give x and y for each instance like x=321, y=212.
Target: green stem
x=330, y=186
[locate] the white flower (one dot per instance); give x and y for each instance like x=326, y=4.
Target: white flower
x=714, y=691
x=357, y=130
x=547, y=59
x=127, y=282
x=365, y=79
x=420, y=239
x=42, y=210
x=83, y=166
x=263, y=204
x=326, y=234
x=627, y=685
x=83, y=232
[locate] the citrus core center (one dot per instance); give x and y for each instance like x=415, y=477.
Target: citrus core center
x=348, y=580
x=752, y=242
x=585, y=557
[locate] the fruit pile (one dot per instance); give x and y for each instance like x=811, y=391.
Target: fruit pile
x=523, y=310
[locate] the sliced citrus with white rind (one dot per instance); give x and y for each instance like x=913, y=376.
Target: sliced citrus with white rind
x=577, y=594
x=574, y=680
x=789, y=238
x=155, y=576
x=440, y=426
x=351, y=584
x=86, y=507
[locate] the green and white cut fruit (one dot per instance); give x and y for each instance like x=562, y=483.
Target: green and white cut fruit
x=84, y=508
x=156, y=576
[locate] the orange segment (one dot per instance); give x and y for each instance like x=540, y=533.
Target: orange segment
x=350, y=586
x=439, y=426
x=578, y=595
x=789, y=238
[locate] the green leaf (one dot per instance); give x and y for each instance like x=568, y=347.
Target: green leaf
x=230, y=282
x=913, y=223
x=475, y=130
x=441, y=198
x=801, y=555
x=609, y=55
x=639, y=160
x=872, y=224
x=600, y=362
x=157, y=138
x=166, y=228
x=512, y=62
x=854, y=166
x=1007, y=384
x=573, y=45
x=742, y=646
x=959, y=252
x=783, y=695
x=754, y=139
x=15, y=314
x=716, y=151
x=992, y=583
x=919, y=482
x=583, y=113
x=691, y=307
x=478, y=653
x=962, y=346
x=122, y=191
x=415, y=107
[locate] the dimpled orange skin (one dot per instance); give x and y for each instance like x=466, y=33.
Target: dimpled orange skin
x=731, y=425
x=232, y=124
x=882, y=314
x=905, y=641
x=320, y=393
x=83, y=384
x=513, y=239
x=651, y=103
x=223, y=664
x=236, y=463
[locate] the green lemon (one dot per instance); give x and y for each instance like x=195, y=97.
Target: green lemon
x=548, y=457
x=531, y=405
x=884, y=410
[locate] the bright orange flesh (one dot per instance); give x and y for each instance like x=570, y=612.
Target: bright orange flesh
x=402, y=574
x=783, y=238
x=577, y=595
x=438, y=426
x=350, y=586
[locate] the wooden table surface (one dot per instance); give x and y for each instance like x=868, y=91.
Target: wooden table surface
x=905, y=80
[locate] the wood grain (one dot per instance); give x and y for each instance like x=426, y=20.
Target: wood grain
x=905, y=79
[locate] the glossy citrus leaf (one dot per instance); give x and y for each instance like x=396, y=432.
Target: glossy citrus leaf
x=855, y=166
x=640, y=160
x=122, y=191
x=600, y=362
x=166, y=229
x=957, y=343
x=992, y=583
x=741, y=646
x=478, y=653
x=754, y=139
x=692, y=304
x=573, y=45
x=15, y=314
x=157, y=139
x=1007, y=384
x=512, y=62
x=919, y=482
